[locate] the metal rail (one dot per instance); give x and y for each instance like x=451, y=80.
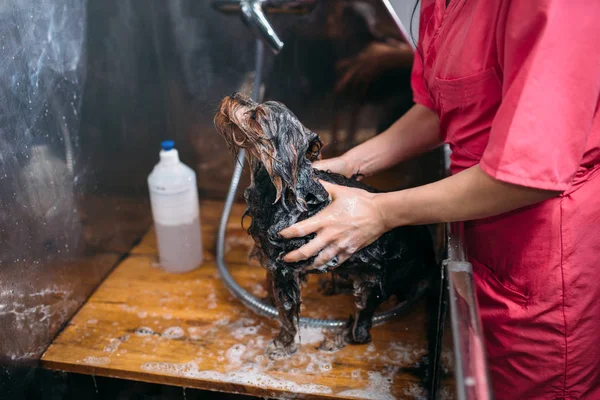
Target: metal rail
x=471, y=367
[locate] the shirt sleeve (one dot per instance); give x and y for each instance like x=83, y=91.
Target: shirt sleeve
x=550, y=57
x=421, y=94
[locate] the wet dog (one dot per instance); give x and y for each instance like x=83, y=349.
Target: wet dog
x=285, y=189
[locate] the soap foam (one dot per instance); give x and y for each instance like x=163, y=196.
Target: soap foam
x=96, y=360
x=415, y=392
x=212, y=301
x=243, y=327
x=144, y=331
x=318, y=363
x=235, y=353
x=174, y=332
x=310, y=335
x=258, y=290
x=378, y=388
x=253, y=377
x=112, y=346
x=402, y=354
x=198, y=332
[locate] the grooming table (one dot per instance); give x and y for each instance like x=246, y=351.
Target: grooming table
x=187, y=330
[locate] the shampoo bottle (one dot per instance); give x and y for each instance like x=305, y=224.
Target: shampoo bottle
x=176, y=212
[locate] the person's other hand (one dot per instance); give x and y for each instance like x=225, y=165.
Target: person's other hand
x=352, y=221
x=358, y=72
x=339, y=165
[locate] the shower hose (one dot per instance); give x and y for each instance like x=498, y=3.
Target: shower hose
x=246, y=298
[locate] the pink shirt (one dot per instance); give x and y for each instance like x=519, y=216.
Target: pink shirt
x=516, y=85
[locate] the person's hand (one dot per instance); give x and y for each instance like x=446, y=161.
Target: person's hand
x=358, y=72
x=352, y=221
x=339, y=165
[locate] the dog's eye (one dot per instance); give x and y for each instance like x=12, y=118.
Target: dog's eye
x=253, y=115
x=315, y=148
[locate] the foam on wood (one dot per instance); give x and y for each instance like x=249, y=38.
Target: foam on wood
x=187, y=330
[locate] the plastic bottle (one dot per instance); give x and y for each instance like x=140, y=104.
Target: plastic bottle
x=176, y=212
x=49, y=203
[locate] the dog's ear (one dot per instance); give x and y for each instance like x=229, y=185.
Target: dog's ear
x=283, y=158
x=296, y=147
x=288, y=150
x=315, y=145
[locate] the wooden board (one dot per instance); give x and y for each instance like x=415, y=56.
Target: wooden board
x=187, y=330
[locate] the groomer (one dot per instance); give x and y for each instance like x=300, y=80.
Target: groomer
x=513, y=86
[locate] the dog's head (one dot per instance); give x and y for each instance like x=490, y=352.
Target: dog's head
x=271, y=135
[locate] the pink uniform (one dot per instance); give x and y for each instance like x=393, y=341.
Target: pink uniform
x=516, y=85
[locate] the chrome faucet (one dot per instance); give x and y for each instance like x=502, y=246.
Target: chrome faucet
x=253, y=15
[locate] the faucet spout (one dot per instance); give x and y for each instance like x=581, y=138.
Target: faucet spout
x=257, y=22
x=254, y=15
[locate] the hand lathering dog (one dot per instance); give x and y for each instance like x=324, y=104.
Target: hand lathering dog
x=285, y=189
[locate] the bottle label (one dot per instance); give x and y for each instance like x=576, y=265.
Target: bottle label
x=175, y=209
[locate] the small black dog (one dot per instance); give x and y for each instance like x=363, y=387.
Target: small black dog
x=284, y=190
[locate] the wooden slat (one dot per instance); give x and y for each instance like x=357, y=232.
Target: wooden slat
x=187, y=330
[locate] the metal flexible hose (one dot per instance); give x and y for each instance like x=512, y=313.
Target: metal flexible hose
x=246, y=298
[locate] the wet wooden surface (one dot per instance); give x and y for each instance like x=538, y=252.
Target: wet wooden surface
x=187, y=330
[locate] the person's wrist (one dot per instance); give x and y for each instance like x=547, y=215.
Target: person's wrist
x=379, y=201
x=391, y=210
x=352, y=166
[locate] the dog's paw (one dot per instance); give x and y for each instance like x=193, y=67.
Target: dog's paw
x=360, y=335
x=277, y=350
x=356, y=333
x=333, y=343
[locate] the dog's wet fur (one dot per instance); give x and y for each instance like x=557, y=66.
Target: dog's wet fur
x=284, y=189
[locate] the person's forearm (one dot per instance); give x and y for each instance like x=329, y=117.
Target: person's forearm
x=468, y=195
x=415, y=133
